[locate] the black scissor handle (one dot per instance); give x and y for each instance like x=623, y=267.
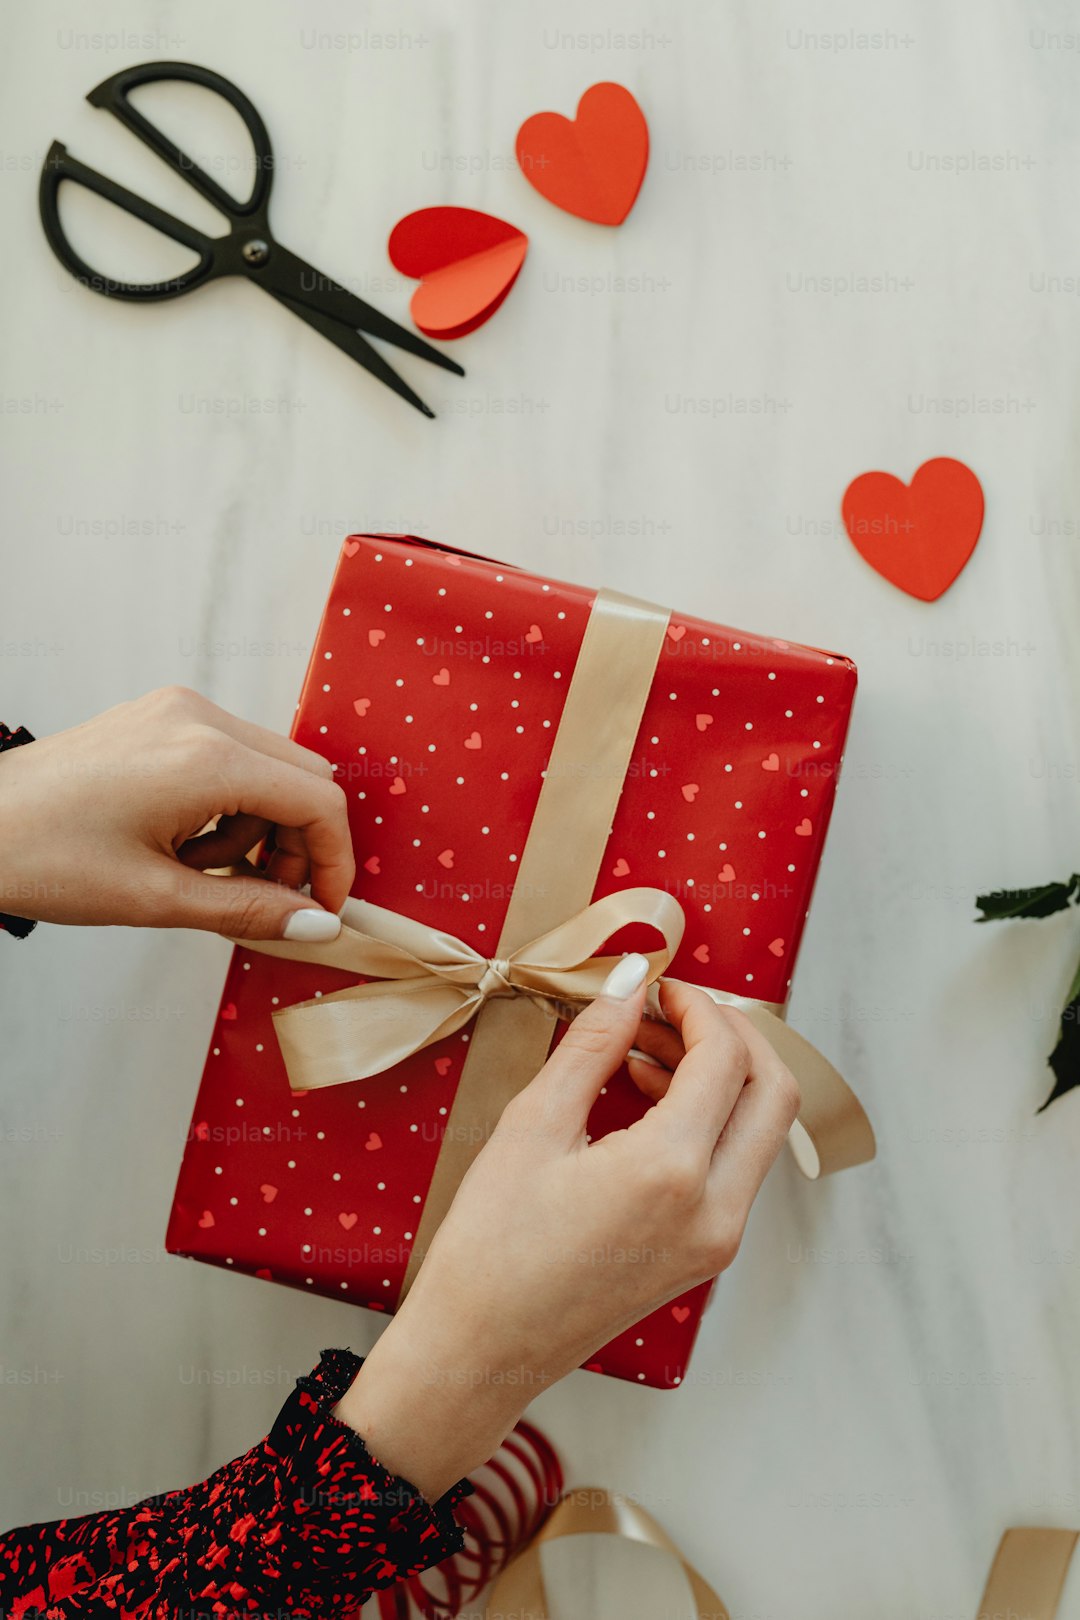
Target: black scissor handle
x=112, y=94
x=60, y=166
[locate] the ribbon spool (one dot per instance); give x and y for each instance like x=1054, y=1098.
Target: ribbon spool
x=513, y=1495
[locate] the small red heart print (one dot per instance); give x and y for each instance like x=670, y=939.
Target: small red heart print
x=681, y=1313
x=703, y=721
x=592, y=164
x=441, y=677
x=206, y=1220
x=534, y=633
x=919, y=536
x=375, y=636
x=443, y=1065
x=351, y=547
x=348, y=1219
x=593, y=1366
x=777, y=947
x=474, y=740
x=701, y=954
x=676, y=631
x=771, y=762
x=690, y=791
x=269, y=1192
x=372, y=865
x=445, y=858
x=726, y=873
x=805, y=828
x=621, y=868
x=228, y=1012
x=374, y=1142
x=265, y=1273
x=361, y=705
x=202, y=1131
x=398, y=785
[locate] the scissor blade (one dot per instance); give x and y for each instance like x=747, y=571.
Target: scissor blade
x=291, y=278
x=357, y=347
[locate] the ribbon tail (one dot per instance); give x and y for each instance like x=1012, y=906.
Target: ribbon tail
x=368, y=1028
x=832, y=1131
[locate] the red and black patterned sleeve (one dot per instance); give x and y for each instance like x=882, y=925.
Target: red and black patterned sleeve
x=18, y=926
x=306, y=1524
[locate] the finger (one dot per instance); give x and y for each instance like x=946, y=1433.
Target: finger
x=656, y=1054
x=758, y=1126
x=231, y=840
x=262, y=741
x=289, y=863
x=593, y=1047
x=238, y=907
x=312, y=805
x=706, y=1084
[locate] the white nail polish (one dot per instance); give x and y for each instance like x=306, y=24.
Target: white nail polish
x=312, y=927
x=625, y=976
x=643, y=1057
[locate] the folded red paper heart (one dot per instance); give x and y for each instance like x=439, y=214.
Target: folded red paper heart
x=919, y=536
x=593, y=164
x=466, y=263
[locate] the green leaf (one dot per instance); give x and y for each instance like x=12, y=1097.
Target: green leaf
x=1042, y=901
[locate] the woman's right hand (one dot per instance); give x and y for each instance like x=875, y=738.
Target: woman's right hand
x=555, y=1244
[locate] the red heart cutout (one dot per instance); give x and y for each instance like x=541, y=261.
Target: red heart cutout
x=918, y=535
x=466, y=262
x=593, y=164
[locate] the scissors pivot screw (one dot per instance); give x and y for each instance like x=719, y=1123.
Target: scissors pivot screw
x=256, y=252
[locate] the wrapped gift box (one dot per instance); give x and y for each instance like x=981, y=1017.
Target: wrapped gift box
x=437, y=686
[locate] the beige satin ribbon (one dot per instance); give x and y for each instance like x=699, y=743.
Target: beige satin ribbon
x=1026, y=1579
x=1028, y=1574
x=519, y=1594
x=543, y=965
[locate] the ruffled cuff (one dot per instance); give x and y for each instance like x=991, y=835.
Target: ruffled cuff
x=309, y=1516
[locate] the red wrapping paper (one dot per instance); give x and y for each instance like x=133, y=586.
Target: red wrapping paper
x=435, y=686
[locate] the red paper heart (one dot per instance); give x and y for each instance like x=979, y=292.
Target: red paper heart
x=918, y=535
x=466, y=262
x=593, y=164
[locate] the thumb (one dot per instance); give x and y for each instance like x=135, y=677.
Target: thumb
x=242, y=908
x=594, y=1046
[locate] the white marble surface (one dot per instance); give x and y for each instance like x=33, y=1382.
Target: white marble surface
x=890, y=1374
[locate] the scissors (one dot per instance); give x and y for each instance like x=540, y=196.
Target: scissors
x=247, y=248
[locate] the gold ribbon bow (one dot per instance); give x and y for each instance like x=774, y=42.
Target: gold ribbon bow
x=543, y=964
x=1026, y=1579
x=433, y=984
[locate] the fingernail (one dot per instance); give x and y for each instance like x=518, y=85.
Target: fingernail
x=643, y=1057
x=312, y=927
x=625, y=976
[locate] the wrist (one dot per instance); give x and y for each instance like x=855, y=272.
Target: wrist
x=427, y=1413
